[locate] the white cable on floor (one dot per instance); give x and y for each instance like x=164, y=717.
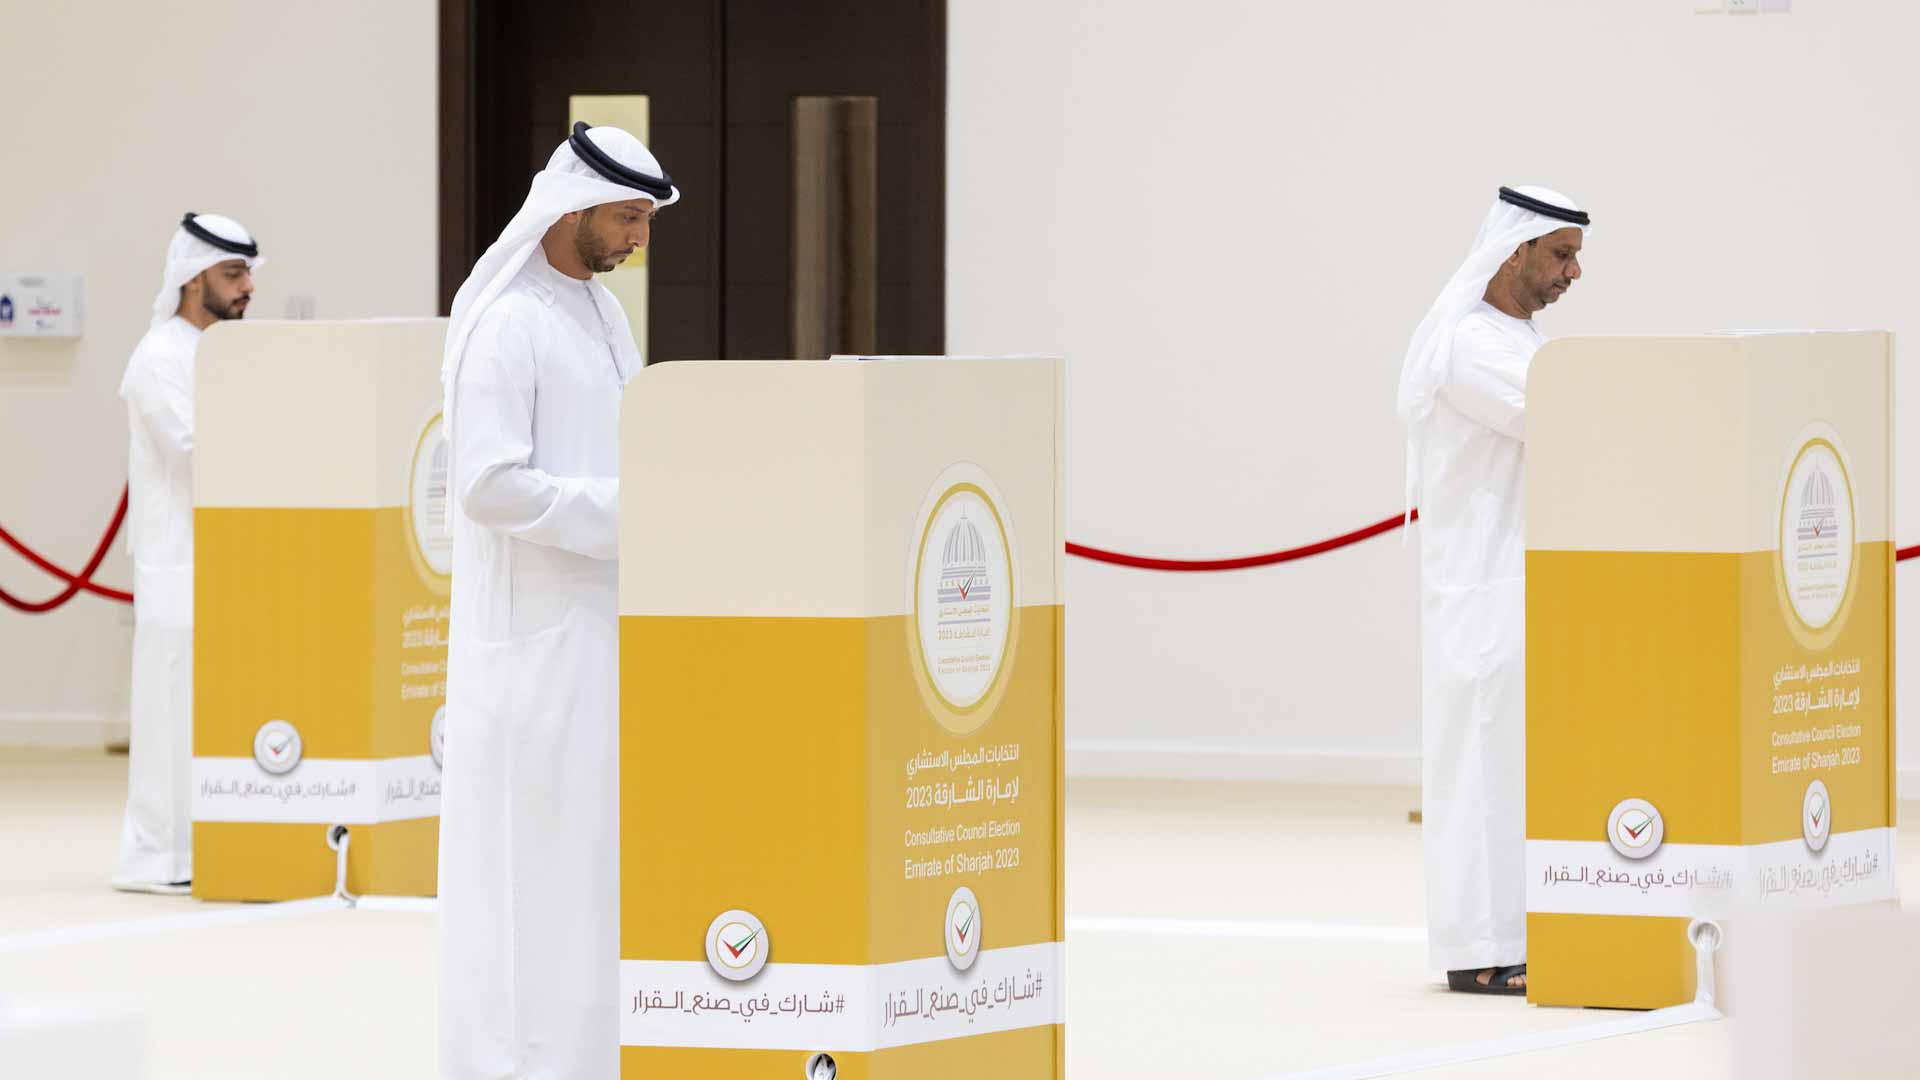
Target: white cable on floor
x=339, y=837
x=1705, y=936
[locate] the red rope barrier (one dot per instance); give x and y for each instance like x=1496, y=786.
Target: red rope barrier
x=1244, y=562
x=83, y=581
x=75, y=582
x=1189, y=565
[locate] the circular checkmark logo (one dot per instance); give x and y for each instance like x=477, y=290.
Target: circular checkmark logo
x=1635, y=828
x=962, y=929
x=276, y=747
x=437, y=737
x=737, y=946
x=1816, y=816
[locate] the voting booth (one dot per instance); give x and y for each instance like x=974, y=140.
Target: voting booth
x=1709, y=647
x=841, y=626
x=321, y=579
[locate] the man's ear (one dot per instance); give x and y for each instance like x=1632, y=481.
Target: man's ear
x=572, y=218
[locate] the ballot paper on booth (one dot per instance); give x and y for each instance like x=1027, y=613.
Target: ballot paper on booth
x=841, y=716
x=1709, y=646
x=322, y=568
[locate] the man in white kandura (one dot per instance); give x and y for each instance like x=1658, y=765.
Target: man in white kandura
x=1463, y=397
x=538, y=355
x=208, y=277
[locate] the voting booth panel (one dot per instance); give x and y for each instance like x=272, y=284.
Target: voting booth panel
x=1709, y=646
x=321, y=582
x=841, y=719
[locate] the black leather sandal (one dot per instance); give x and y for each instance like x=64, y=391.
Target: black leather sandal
x=1467, y=981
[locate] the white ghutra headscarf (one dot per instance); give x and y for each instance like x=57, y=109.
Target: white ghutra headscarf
x=1520, y=214
x=596, y=166
x=202, y=242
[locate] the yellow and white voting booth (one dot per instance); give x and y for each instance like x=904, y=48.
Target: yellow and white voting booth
x=1709, y=646
x=841, y=717
x=321, y=585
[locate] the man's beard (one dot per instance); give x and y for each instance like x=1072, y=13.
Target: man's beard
x=597, y=256
x=235, y=308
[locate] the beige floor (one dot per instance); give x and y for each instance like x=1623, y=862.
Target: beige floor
x=1227, y=932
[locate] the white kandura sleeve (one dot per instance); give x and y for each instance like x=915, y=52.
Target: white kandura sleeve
x=158, y=389
x=493, y=443
x=1487, y=379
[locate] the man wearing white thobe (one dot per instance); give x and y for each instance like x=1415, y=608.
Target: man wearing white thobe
x=1463, y=397
x=538, y=357
x=208, y=277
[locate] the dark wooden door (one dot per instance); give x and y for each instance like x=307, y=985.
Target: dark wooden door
x=721, y=76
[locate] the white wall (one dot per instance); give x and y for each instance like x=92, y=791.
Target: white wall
x=1229, y=216
x=312, y=121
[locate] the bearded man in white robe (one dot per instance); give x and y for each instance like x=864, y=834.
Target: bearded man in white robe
x=208, y=278
x=1463, y=396
x=537, y=360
